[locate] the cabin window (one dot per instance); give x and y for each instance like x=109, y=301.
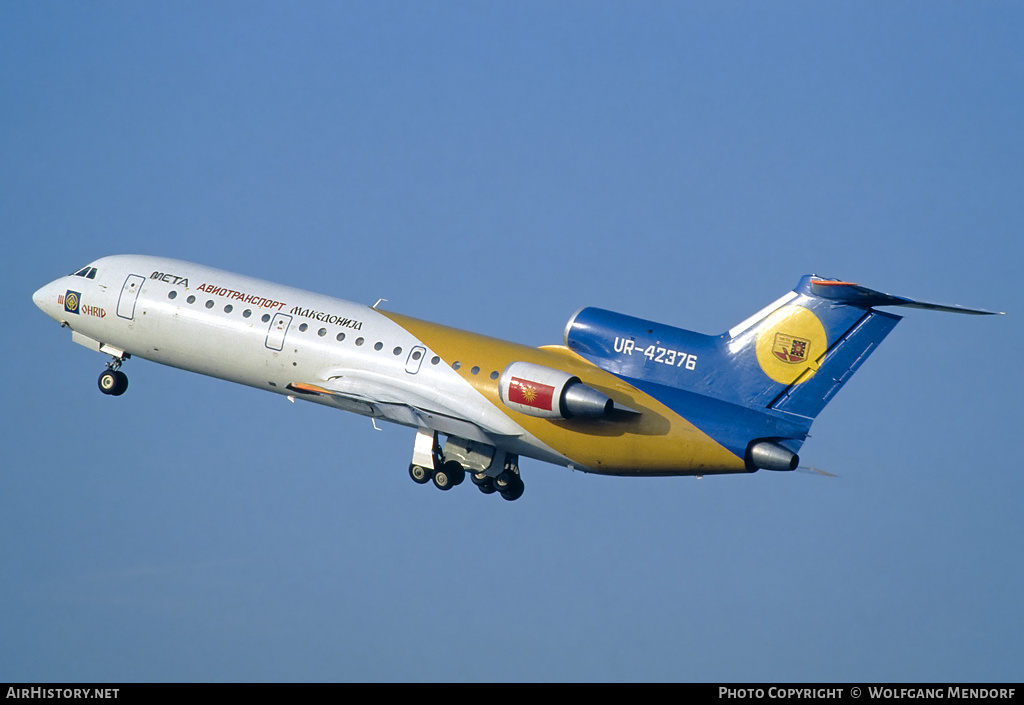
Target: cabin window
x=209, y=304
x=322, y=332
x=191, y=299
x=435, y=360
x=398, y=351
x=359, y=341
x=246, y=313
x=266, y=318
x=378, y=345
x=303, y=327
x=229, y=308
x=495, y=375
x=340, y=337
x=172, y=294
x=475, y=371
x=456, y=365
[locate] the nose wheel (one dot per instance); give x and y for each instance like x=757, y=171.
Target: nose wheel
x=113, y=381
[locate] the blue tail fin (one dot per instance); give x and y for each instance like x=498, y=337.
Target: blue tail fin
x=786, y=362
x=812, y=343
x=798, y=356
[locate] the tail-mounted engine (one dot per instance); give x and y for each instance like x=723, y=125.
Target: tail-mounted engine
x=549, y=393
x=769, y=455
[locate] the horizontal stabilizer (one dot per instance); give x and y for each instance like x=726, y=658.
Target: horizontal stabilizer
x=861, y=296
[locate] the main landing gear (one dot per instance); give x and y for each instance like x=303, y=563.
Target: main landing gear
x=445, y=477
x=113, y=381
x=491, y=470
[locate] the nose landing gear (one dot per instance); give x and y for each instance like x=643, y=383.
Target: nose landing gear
x=113, y=381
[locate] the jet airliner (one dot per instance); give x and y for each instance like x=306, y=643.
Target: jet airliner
x=620, y=396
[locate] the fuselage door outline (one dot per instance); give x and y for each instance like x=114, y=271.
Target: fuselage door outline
x=129, y=295
x=415, y=359
x=278, y=329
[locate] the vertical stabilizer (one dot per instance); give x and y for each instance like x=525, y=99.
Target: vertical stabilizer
x=798, y=355
x=757, y=388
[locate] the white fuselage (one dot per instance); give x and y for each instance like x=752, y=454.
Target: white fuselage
x=274, y=337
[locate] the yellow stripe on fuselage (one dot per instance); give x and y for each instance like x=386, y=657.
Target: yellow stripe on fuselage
x=657, y=441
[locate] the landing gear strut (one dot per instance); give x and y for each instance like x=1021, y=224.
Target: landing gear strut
x=113, y=381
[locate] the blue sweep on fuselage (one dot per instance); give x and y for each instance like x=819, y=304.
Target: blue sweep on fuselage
x=768, y=377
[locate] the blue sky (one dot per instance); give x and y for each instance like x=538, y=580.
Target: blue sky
x=495, y=166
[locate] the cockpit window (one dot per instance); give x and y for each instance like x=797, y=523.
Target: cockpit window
x=87, y=272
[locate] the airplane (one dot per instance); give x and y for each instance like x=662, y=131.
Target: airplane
x=620, y=396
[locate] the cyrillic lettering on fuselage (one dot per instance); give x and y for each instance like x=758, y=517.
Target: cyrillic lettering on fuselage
x=234, y=295
x=170, y=278
x=327, y=318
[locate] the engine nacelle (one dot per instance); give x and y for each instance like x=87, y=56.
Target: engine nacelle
x=549, y=393
x=768, y=455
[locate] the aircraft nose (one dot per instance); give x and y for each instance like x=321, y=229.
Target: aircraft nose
x=46, y=298
x=40, y=296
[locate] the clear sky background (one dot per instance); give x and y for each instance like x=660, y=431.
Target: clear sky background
x=495, y=166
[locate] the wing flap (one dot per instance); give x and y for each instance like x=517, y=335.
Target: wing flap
x=384, y=397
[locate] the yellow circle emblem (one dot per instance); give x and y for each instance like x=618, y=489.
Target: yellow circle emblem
x=791, y=344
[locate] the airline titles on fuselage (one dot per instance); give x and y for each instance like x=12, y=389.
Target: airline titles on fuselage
x=260, y=301
x=170, y=278
x=327, y=318
x=252, y=299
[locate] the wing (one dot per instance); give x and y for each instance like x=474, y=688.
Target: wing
x=393, y=399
